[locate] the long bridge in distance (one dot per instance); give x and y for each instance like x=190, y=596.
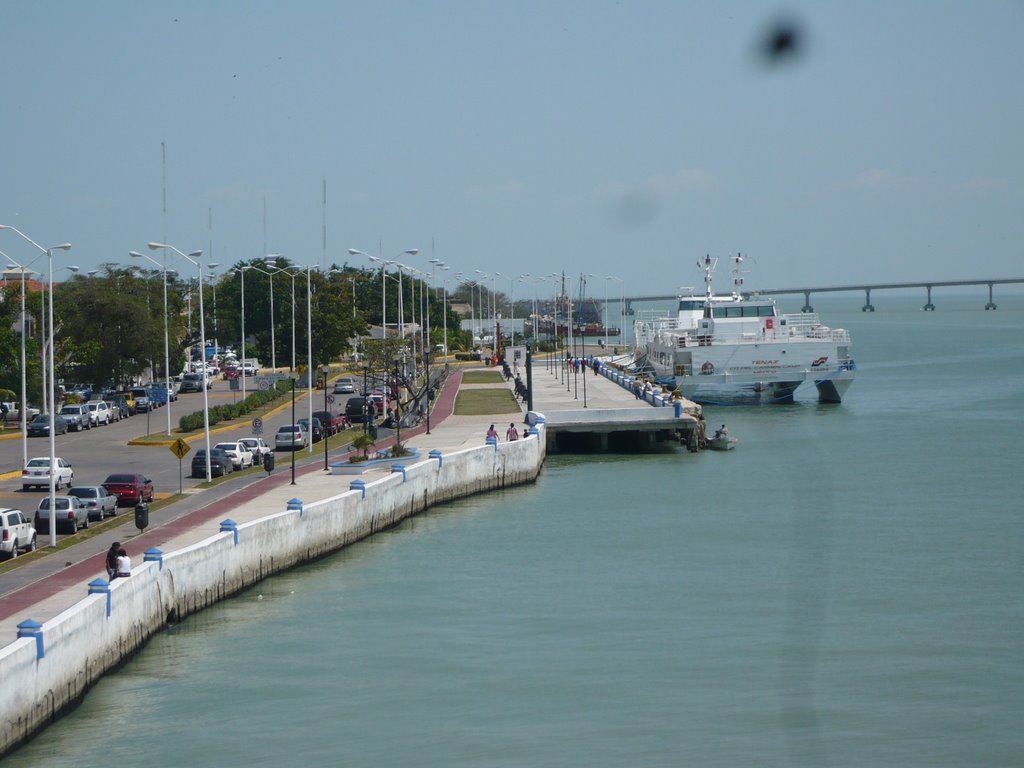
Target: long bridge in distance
x=867, y=289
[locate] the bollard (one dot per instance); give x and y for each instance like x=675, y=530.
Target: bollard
x=32, y=628
x=153, y=555
x=358, y=485
x=295, y=505
x=436, y=454
x=101, y=587
x=229, y=525
x=398, y=467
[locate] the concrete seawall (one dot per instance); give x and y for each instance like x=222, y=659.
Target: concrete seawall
x=49, y=668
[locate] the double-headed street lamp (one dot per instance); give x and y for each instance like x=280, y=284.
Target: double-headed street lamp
x=23, y=269
x=167, y=346
x=52, y=384
x=383, y=283
x=193, y=258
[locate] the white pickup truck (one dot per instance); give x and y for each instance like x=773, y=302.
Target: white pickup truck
x=13, y=414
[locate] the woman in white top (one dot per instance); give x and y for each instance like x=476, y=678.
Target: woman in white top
x=124, y=564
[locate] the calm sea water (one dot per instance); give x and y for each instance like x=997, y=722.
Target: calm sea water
x=844, y=589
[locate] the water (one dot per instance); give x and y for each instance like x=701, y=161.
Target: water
x=844, y=589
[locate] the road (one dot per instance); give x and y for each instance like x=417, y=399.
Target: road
x=101, y=451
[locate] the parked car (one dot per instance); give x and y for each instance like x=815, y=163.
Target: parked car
x=241, y=457
x=77, y=417
x=130, y=489
x=115, y=410
x=36, y=473
x=355, y=410
x=97, y=500
x=220, y=463
x=257, y=446
x=193, y=382
x=14, y=414
x=332, y=423
x=380, y=402
x=290, y=437
x=99, y=413
x=344, y=385
x=141, y=395
x=316, y=431
x=16, y=532
x=69, y=514
x=130, y=406
x=40, y=425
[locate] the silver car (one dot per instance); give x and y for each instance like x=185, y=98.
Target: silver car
x=97, y=500
x=77, y=417
x=70, y=515
x=290, y=437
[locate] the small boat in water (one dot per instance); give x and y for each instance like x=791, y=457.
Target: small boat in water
x=722, y=443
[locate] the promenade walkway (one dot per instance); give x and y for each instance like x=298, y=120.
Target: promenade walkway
x=42, y=589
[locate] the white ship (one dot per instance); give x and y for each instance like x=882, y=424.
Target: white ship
x=736, y=349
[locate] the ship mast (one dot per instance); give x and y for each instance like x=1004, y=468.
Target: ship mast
x=737, y=275
x=708, y=266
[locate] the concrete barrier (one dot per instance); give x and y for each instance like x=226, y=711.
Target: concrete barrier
x=49, y=669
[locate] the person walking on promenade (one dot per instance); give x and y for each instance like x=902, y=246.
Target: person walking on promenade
x=124, y=564
x=112, y=554
x=492, y=432
x=512, y=434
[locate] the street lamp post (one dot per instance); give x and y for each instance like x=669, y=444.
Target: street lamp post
x=167, y=347
x=327, y=372
x=51, y=384
x=193, y=258
x=383, y=295
x=622, y=304
x=24, y=380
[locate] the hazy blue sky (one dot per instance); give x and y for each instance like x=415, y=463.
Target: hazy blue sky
x=615, y=138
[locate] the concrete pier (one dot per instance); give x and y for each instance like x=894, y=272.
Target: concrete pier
x=586, y=412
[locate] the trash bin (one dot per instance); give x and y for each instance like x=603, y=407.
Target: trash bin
x=142, y=515
x=268, y=462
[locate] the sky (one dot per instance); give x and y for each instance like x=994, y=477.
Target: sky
x=613, y=139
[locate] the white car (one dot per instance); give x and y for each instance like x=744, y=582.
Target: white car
x=241, y=456
x=257, y=446
x=16, y=532
x=36, y=473
x=99, y=412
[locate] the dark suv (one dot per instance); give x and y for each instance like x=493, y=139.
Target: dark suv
x=355, y=409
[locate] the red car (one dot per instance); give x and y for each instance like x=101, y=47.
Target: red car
x=130, y=489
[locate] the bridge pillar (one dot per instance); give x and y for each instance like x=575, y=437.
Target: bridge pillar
x=991, y=304
x=929, y=307
x=807, y=302
x=868, y=306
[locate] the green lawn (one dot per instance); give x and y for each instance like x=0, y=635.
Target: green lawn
x=482, y=377
x=485, y=402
